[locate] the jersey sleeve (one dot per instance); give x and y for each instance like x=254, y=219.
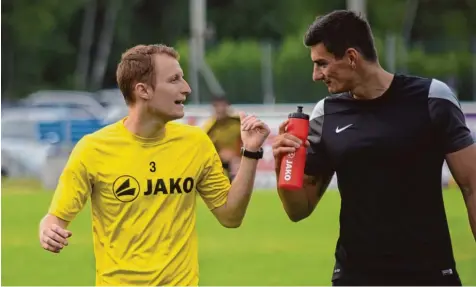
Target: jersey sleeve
x=74, y=185
x=317, y=160
x=213, y=185
x=448, y=118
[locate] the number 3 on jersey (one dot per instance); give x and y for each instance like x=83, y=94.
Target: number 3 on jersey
x=152, y=166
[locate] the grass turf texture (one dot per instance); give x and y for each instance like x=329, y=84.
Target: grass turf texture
x=267, y=250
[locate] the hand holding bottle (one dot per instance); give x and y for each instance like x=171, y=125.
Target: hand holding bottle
x=289, y=150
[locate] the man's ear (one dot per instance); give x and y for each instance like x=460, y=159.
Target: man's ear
x=142, y=92
x=352, y=57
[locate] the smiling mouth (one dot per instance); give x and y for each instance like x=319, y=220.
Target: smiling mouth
x=179, y=102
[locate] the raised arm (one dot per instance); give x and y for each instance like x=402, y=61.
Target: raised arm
x=457, y=143
x=73, y=189
x=301, y=203
x=229, y=202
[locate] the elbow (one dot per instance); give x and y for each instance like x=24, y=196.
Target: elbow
x=231, y=221
x=297, y=216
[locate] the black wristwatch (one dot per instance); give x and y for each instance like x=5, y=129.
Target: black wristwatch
x=252, y=154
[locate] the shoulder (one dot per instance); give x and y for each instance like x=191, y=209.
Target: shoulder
x=442, y=103
x=192, y=136
x=102, y=135
x=186, y=131
x=328, y=103
x=318, y=110
x=105, y=132
x=410, y=87
x=83, y=151
x=440, y=90
x=234, y=117
x=428, y=88
x=98, y=135
x=208, y=124
x=89, y=142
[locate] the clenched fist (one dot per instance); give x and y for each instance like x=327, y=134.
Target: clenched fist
x=285, y=143
x=54, y=238
x=253, y=132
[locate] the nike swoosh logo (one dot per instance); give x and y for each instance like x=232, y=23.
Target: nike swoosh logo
x=342, y=129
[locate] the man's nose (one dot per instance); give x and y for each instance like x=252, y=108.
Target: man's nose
x=317, y=75
x=186, y=89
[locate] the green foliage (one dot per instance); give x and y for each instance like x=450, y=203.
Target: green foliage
x=237, y=65
x=386, y=15
x=182, y=48
x=40, y=41
x=293, y=73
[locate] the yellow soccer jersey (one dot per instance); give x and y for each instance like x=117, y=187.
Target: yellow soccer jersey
x=143, y=197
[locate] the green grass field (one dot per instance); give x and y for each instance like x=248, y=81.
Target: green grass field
x=267, y=250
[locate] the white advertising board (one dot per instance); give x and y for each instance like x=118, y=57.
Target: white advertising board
x=266, y=178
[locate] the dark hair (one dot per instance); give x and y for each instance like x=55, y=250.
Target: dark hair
x=341, y=30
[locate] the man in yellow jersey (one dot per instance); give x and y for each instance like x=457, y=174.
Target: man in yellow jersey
x=223, y=128
x=143, y=174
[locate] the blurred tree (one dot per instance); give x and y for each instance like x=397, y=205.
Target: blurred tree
x=43, y=45
x=443, y=26
x=265, y=19
x=104, y=44
x=85, y=43
x=36, y=42
x=386, y=16
x=146, y=22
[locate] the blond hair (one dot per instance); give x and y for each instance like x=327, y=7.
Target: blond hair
x=137, y=66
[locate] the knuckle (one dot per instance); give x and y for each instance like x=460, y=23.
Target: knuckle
x=289, y=143
x=45, y=232
x=49, y=232
x=49, y=241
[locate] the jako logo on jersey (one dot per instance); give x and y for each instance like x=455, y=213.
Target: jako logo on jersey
x=126, y=188
x=169, y=186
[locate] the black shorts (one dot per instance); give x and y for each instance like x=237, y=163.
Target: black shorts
x=404, y=279
x=392, y=277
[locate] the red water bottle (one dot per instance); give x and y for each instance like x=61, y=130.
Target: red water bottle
x=292, y=165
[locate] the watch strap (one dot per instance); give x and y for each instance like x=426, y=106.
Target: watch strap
x=251, y=154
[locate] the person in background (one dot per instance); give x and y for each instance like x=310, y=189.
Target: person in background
x=223, y=128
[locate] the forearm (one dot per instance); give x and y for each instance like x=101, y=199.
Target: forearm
x=299, y=204
x=240, y=192
x=295, y=203
x=469, y=195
